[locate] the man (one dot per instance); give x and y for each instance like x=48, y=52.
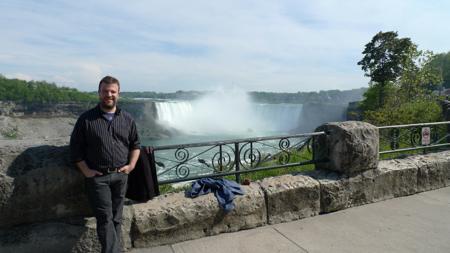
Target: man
x=105, y=147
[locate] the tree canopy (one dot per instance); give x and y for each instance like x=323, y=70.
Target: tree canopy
x=39, y=92
x=386, y=57
x=441, y=62
x=403, y=79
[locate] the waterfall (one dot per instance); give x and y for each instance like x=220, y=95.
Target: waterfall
x=280, y=117
x=172, y=112
x=230, y=115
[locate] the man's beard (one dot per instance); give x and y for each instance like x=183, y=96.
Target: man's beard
x=108, y=106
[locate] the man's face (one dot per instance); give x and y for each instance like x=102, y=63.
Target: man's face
x=109, y=94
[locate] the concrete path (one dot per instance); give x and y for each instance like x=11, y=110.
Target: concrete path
x=418, y=223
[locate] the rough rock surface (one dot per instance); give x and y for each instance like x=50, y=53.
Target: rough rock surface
x=75, y=235
x=35, y=128
x=395, y=178
x=432, y=170
x=338, y=192
x=174, y=218
x=40, y=194
x=39, y=184
x=79, y=236
x=45, y=123
x=291, y=197
x=350, y=146
x=392, y=178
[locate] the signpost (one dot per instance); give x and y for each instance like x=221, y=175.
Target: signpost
x=426, y=133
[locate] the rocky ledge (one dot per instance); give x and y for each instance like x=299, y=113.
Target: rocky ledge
x=43, y=206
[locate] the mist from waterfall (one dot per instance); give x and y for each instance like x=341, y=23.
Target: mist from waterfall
x=230, y=113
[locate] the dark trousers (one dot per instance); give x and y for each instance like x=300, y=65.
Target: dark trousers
x=106, y=195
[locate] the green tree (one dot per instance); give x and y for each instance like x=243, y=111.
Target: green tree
x=405, y=94
x=385, y=58
x=441, y=62
x=39, y=92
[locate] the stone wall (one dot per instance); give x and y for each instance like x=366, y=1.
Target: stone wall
x=42, y=202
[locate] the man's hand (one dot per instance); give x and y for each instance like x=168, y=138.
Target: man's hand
x=134, y=155
x=126, y=169
x=91, y=173
x=86, y=171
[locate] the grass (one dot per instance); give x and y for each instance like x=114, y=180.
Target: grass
x=12, y=133
x=169, y=188
x=405, y=142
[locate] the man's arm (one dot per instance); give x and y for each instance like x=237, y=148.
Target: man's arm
x=84, y=168
x=134, y=148
x=134, y=156
x=78, y=148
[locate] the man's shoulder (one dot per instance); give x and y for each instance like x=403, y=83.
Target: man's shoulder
x=93, y=112
x=126, y=115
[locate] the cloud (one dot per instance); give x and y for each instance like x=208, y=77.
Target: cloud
x=20, y=76
x=171, y=45
x=90, y=73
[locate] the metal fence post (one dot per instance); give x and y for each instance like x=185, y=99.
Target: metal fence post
x=237, y=161
x=151, y=151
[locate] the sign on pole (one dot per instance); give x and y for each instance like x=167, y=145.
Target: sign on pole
x=426, y=133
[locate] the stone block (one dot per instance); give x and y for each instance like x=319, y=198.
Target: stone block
x=432, y=171
x=339, y=191
x=349, y=147
x=51, y=237
x=75, y=235
x=40, y=184
x=395, y=178
x=333, y=195
x=445, y=155
x=174, y=218
x=291, y=197
x=392, y=178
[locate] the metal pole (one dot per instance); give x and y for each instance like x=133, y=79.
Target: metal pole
x=237, y=161
x=151, y=150
x=220, y=158
x=251, y=154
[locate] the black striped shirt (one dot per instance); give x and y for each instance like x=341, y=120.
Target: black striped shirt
x=101, y=143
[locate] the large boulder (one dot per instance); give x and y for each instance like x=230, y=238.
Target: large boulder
x=291, y=197
x=349, y=147
x=39, y=184
x=74, y=235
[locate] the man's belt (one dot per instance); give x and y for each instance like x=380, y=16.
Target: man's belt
x=109, y=170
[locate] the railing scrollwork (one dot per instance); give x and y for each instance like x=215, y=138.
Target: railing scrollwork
x=410, y=137
x=177, y=163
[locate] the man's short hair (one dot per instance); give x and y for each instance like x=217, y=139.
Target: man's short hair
x=108, y=80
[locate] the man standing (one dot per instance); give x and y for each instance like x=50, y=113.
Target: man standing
x=105, y=147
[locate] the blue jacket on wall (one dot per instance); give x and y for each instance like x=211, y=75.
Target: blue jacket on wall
x=224, y=190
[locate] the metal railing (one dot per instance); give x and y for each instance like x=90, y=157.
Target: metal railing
x=186, y=162
x=421, y=136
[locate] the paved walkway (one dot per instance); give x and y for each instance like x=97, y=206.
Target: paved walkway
x=418, y=223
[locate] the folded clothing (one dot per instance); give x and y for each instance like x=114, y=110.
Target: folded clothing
x=224, y=190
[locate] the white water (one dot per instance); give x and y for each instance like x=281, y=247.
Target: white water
x=228, y=113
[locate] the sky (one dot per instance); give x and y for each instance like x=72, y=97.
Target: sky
x=165, y=46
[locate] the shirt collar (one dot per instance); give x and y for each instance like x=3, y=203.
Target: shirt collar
x=100, y=112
